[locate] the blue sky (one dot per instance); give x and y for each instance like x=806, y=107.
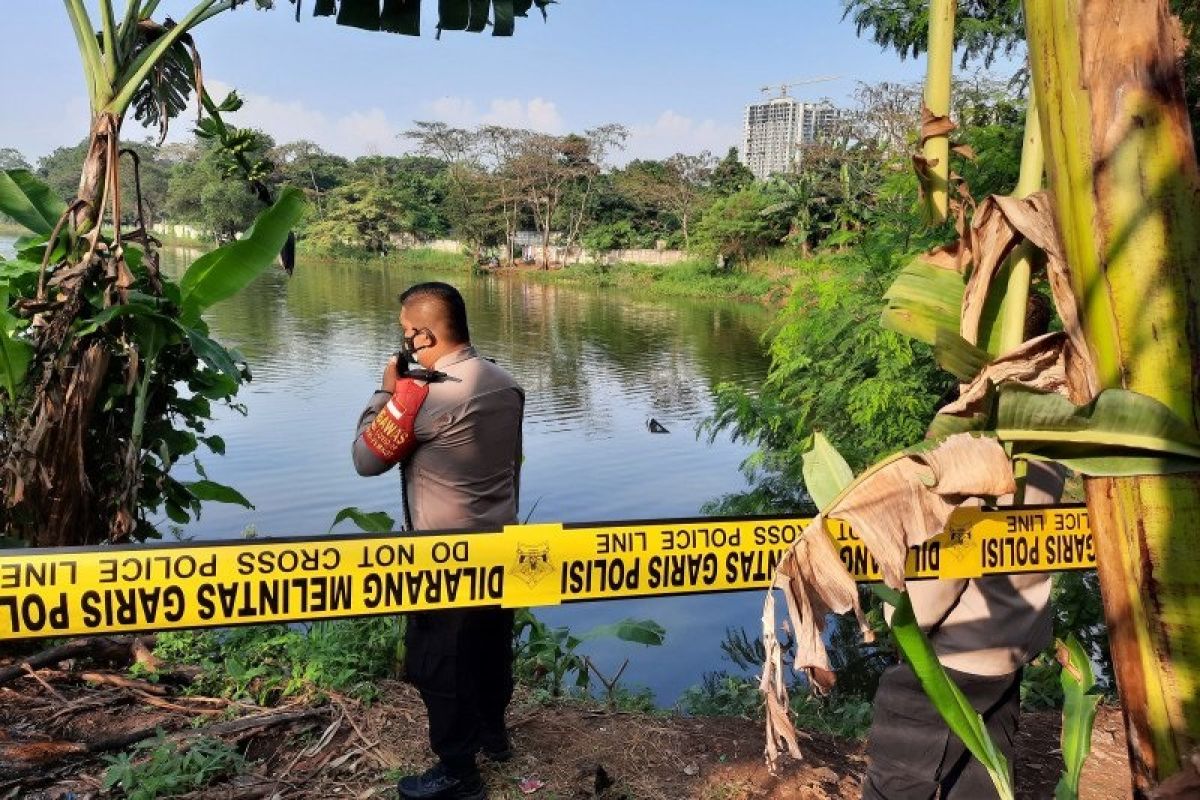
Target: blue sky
x=677, y=73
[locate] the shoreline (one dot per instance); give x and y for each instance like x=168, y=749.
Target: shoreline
x=765, y=281
x=66, y=739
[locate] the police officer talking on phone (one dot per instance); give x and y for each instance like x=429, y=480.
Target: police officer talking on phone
x=452, y=420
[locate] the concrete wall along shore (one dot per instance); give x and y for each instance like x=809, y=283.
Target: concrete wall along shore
x=558, y=254
x=576, y=255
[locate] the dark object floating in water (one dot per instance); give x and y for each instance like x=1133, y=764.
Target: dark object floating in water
x=654, y=426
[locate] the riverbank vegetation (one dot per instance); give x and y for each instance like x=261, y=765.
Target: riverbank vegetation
x=1101, y=258
x=269, y=713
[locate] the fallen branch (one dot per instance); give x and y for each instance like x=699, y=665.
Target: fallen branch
x=18, y=759
x=121, y=682
x=33, y=674
x=97, y=647
x=245, y=724
x=159, y=702
x=367, y=743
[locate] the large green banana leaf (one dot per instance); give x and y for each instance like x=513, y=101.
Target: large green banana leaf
x=29, y=201
x=15, y=353
x=225, y=271
x=923, y=300
x=924, y=303
x=1120, y=433
x=826, y=472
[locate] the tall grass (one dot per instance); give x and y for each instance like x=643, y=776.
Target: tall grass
x=691, y=278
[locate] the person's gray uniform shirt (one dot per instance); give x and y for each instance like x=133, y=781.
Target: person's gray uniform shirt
x=466, y=470
x=996, y=624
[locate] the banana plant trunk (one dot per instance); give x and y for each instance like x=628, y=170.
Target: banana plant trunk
x=51, y=474
x=1122, y=169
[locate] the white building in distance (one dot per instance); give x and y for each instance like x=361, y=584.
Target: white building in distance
x=775, y=130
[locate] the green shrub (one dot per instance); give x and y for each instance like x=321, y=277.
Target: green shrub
x=722, y=695
x=837, y=714
x=159, y=767
x=841, y=714
x=264, y=661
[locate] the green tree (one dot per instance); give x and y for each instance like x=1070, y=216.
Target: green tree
x=676, y=185
x=11, y=158
x=986, y=28
x=834, y=370
x=598, y=143
x=730, y=175
x=77, y=461
x=371, y=213
x=479, y=198
x=201, y=193
x=798, y=204
x=736, y=228
x=306, y=166
x=609, y=236
x=548, y=170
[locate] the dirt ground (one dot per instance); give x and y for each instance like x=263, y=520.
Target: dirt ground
x=54, y=724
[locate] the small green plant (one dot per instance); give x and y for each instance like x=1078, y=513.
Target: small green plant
x=143, y=672
x=547, y=658
x=841, y=714
x=159, y=767
x=640, y=700
x=267, y=661
x=722, y=695
x=1040, y=687
x=1080, y=698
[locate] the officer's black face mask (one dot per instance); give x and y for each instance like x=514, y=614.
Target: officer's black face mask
x=408, y=348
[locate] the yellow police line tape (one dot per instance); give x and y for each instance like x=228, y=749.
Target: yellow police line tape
x=109, y=589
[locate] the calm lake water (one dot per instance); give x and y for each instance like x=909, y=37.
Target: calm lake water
x=595, y=364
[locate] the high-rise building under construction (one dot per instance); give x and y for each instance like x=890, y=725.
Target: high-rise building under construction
x=775, y=130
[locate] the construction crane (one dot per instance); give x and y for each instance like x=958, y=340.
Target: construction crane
x=782, y=88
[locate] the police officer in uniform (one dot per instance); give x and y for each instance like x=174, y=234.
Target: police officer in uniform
x=984, y=631
x=454, y=426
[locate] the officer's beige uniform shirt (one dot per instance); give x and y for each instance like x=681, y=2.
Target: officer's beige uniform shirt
x=465, y=472
x=996, y=624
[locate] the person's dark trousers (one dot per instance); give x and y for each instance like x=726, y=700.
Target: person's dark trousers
x=913, y=754
x=461, y=661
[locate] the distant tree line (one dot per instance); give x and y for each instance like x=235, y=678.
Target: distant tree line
x=483, y=185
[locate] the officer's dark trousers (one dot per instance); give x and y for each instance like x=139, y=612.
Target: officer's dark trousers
x=461, y=661
x=913, y=754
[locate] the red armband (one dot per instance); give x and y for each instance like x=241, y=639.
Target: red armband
x=391, y=435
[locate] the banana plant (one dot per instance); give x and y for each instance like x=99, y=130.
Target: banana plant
x=830, y=482
x=838, y=495
x=89, y=392
x=933, y=162
x=1123, y=177
x=1113, y=394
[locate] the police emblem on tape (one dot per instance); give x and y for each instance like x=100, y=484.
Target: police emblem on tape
x=533, y=562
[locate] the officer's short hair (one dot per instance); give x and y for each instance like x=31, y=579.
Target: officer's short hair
x=449, y=302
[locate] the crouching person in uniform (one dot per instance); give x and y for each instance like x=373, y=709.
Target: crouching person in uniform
x=455, y=430
x=984, y=631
